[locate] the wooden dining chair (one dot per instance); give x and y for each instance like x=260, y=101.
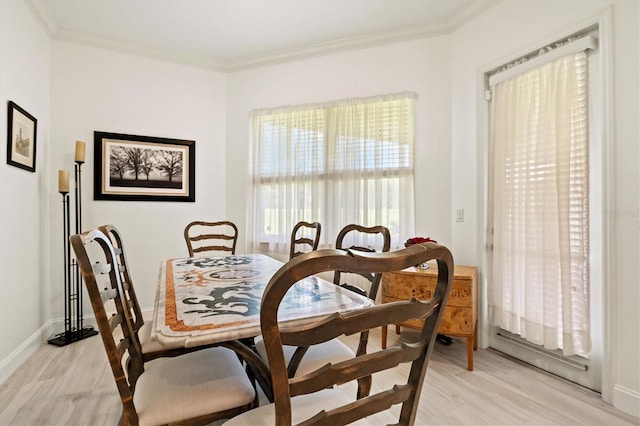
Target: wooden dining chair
x=368, y=239
x=202, y=237
x=151, y=349
x=305, y=237
x=303, y=359
x=195, y=388
x=354, y=237
x=314, y=399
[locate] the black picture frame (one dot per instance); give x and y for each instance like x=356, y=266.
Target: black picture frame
x=22, y=133
x=143, y=168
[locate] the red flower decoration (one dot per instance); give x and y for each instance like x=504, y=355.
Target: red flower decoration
x=418, y=240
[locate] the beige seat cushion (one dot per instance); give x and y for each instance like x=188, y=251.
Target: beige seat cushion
x=204, y=382
x=302, y=407
x=332, y=351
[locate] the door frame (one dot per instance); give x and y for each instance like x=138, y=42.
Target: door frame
x=606, y=132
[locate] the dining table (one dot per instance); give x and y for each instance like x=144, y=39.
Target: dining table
x=216, y=300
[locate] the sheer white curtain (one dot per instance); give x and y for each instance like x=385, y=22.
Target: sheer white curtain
x=337, y=163
x=539, y=201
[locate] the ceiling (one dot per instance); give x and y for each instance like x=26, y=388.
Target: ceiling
x=235, y=34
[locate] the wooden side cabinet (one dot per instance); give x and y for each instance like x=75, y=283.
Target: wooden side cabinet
x=460, y=315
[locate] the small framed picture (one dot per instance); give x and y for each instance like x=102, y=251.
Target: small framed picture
x=21, y=138
x=143, y=168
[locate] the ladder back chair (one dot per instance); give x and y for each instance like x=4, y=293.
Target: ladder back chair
x=142, y=330
x=202, y=237
x=368, y=239
x=314, y=399
x=354, y=237
x=195, y=388
x=305, y=237
x=304, y=359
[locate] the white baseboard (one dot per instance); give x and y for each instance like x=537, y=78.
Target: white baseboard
x=626, y=400
x=16, y=358
x=147, y=314
x=11, y=363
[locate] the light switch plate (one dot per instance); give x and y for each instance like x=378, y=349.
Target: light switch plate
x=460, y=215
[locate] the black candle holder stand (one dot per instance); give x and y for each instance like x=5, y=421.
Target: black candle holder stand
x=74, y=328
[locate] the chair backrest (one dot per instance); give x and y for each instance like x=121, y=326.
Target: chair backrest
x=125, y=276
x=305, y=237
x=211, y=237
x=354, y=237
x=327, y=328
x=99, y=265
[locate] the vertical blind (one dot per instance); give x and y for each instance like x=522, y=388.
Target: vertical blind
x=539, y=205
x=337, y=163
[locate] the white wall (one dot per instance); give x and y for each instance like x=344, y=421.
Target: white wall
x=95, y=89
x=516, y=27
x=420, y=66
x=24, y=287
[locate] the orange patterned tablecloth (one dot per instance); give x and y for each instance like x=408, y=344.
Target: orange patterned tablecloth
x=216, y=299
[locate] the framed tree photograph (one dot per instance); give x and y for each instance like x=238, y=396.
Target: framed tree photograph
x=21, y=138
x=143, y=168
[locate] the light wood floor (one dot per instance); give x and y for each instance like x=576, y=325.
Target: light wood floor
x=73, y=385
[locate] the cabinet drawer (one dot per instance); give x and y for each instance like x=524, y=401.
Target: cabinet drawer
x=404, y=287
x=455, y=320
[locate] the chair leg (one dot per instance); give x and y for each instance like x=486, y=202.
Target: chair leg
x=383, y=342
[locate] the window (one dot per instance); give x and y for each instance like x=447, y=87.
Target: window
x=338, y=163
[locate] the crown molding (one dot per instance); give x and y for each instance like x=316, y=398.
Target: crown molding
x=461, y=17
x=44, y=17
x=475, y=9
x=138, y=49
x=336, y=46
